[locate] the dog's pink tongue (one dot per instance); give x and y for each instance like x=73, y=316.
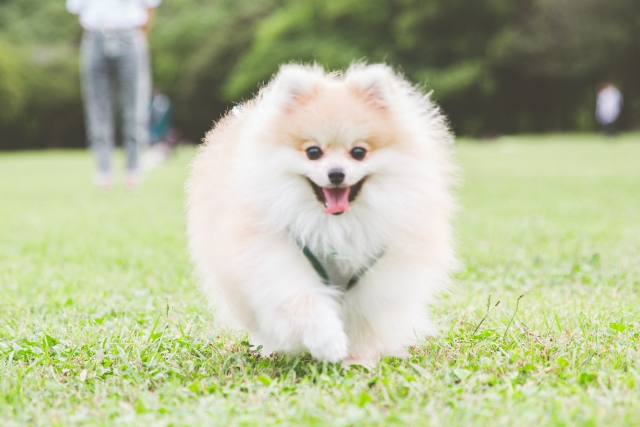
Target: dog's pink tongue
x=337, y=199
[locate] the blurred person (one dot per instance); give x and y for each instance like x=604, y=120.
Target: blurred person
x=163, y=137
x=608, y=107
x=159, y=117
x=115, y=70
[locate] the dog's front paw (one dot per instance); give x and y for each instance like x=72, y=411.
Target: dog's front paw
x=331, y=347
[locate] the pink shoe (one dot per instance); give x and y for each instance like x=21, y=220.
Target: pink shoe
x=131, y=181
x=104, y=181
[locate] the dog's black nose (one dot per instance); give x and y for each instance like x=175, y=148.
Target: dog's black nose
x=336, y=176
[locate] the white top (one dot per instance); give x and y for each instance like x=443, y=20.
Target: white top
x=111, y=14
x=608, y=105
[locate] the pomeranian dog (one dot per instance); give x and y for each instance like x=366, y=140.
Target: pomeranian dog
x=318, y=214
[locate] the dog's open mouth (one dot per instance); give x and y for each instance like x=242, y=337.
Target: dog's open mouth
x=336, y=200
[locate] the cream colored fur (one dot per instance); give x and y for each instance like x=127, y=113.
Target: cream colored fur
x=249, y=199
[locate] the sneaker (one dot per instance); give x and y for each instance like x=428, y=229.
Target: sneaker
x=131, y=181
x=104, y=181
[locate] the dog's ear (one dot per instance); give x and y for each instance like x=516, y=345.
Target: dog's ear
x=294, y=84
x=375, y=83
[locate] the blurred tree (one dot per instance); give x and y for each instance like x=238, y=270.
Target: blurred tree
x=495, y=66
x=50, y=115
x=194, y=56
x=558, y=50
x=11, y=87
x=440, y=44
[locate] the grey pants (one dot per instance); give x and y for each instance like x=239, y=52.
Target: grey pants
x=115, y=78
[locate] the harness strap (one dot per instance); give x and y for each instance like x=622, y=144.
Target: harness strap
x=363, y=270
x=324, y=275
x=316, y=264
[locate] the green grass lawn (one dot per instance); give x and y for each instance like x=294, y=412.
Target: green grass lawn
x=101, y=322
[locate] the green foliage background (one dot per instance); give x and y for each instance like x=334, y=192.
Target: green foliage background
x=496, y=66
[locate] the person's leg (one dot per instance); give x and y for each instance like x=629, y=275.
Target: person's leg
x=609, y=129
x=135, y=94
x=98, y=105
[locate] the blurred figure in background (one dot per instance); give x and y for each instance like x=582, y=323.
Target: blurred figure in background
x=608, y=106
x=163, y=136
x=115, y=69
x=160, y=117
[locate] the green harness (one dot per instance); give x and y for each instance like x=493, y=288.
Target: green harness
x=329, y=272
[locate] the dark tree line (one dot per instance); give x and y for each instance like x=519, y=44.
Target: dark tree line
x=496, y=66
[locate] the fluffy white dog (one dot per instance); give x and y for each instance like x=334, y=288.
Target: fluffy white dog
x=318, y=213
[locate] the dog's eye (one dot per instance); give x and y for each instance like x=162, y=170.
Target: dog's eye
x=314, y=153
x=358, y=153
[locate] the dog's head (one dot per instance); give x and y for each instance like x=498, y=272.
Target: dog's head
x=343, y=157
x=334, y=128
